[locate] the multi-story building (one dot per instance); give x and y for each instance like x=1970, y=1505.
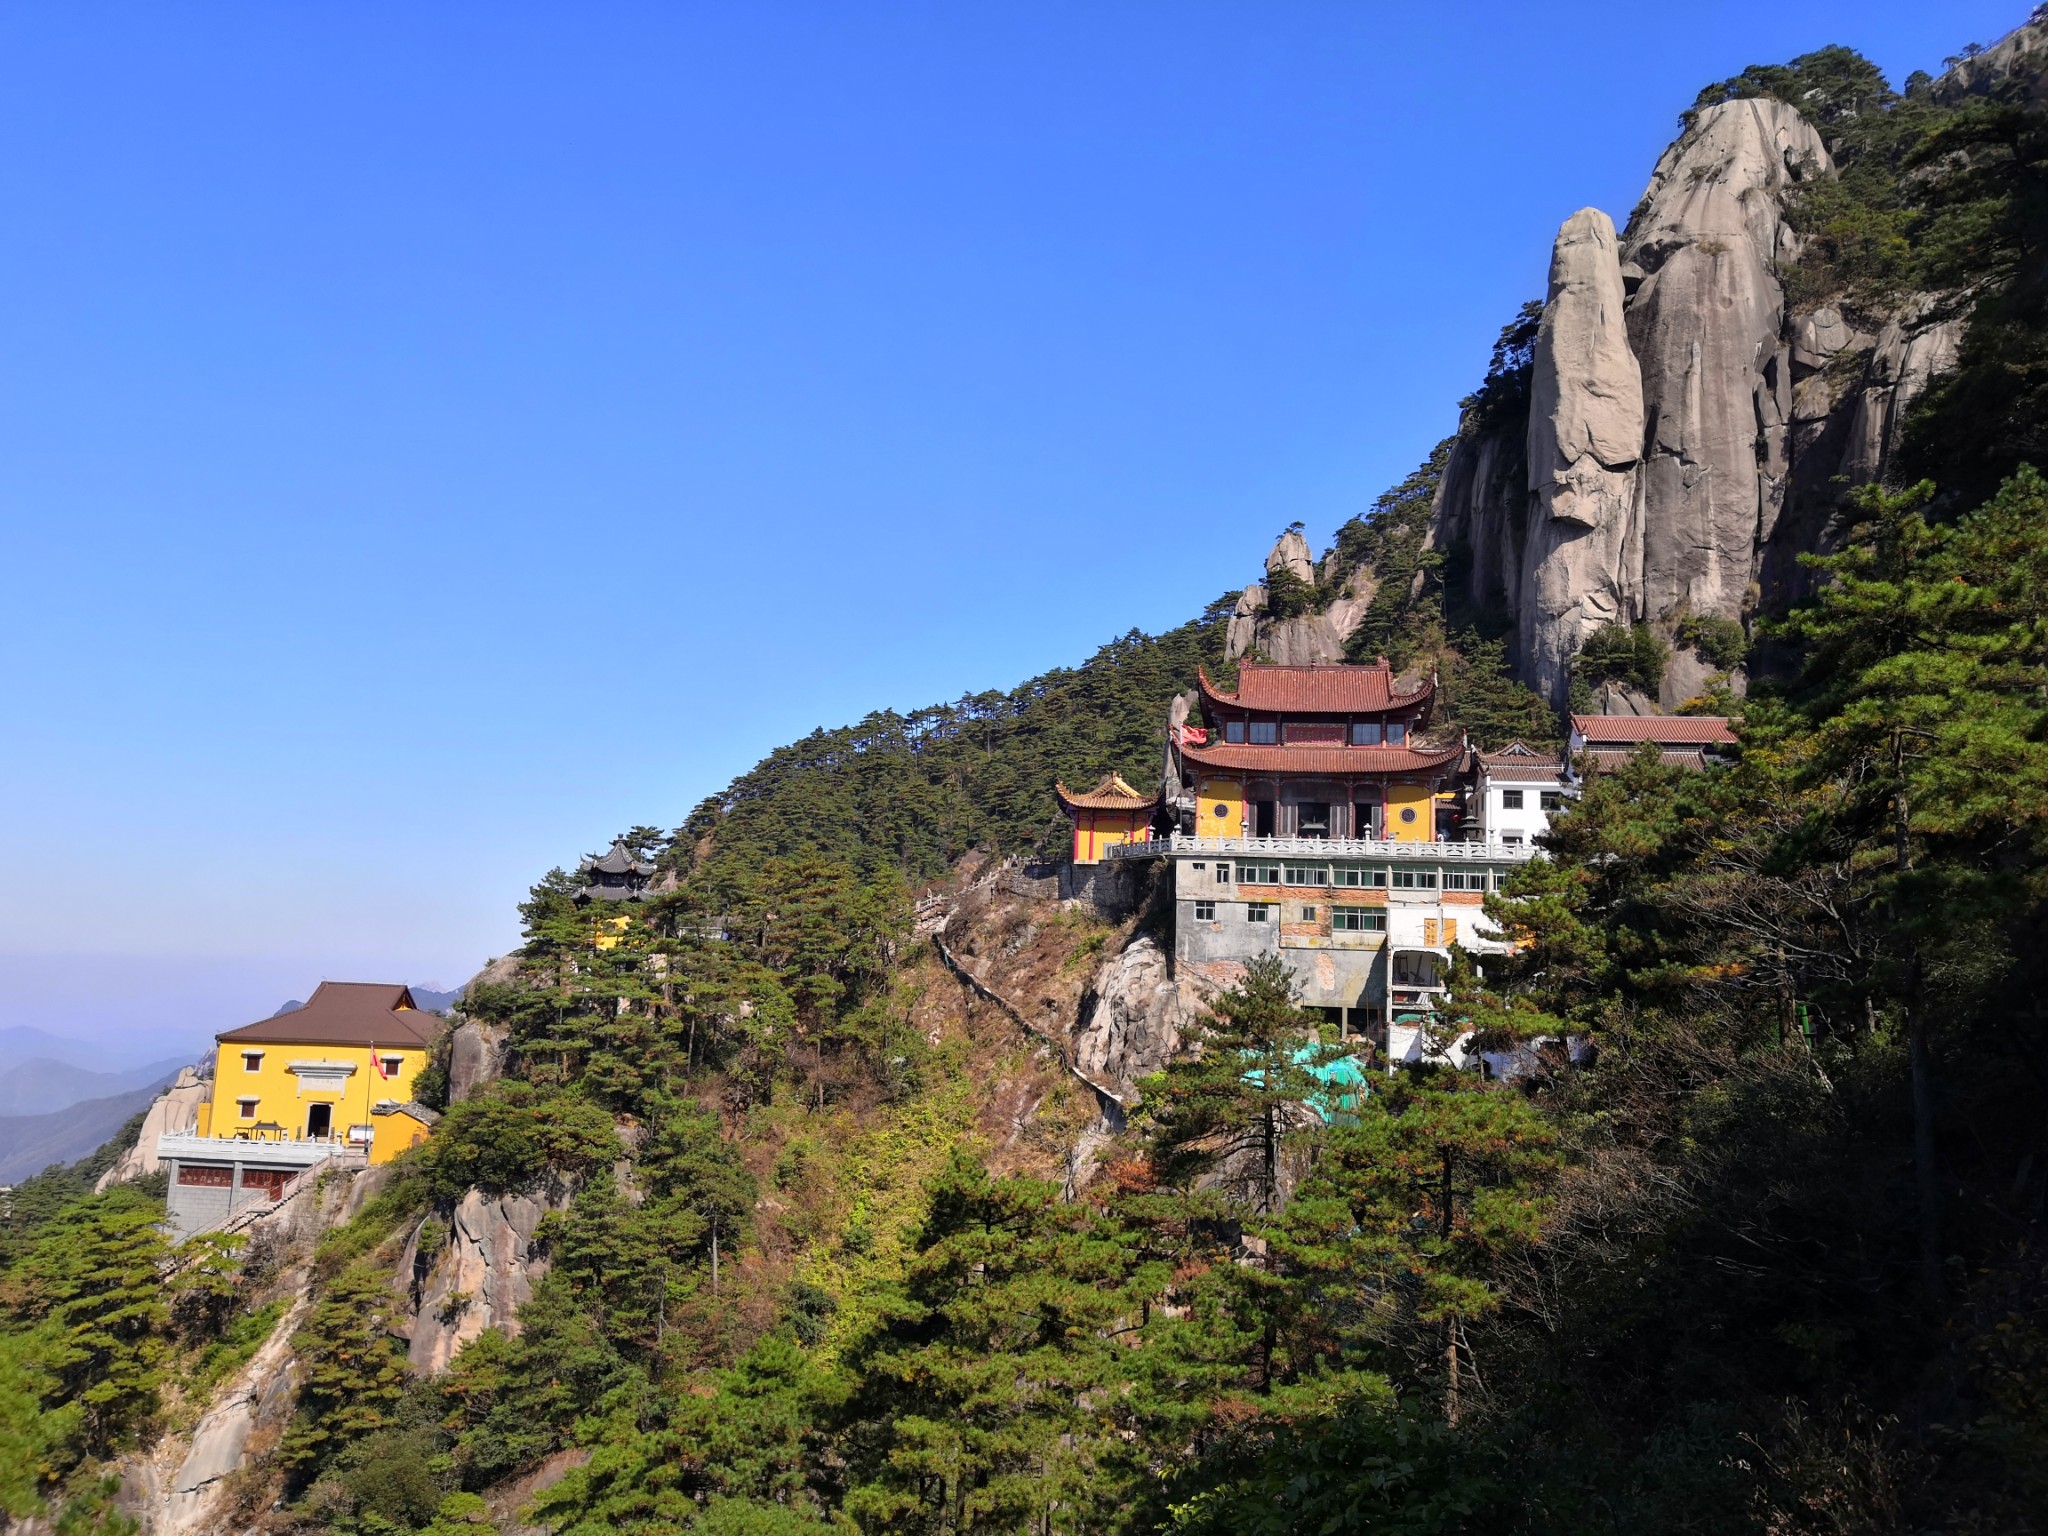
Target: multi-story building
x=1317, y=825
x=331, y=1082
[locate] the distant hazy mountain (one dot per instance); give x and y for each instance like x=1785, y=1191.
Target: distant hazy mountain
x=42, y=1085
x=30, y=1143
x=435, y=1002
x=21, y=1042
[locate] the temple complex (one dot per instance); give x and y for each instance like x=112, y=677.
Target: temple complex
x=1311, y=816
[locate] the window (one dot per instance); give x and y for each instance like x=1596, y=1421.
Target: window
x=1260, y=874
x=246, y=1108
x=1464, y=879
x=1511, y=799
x=1255, y=912
x=1265, y=733
x=1552, y=799
x=1200, y=865
x=1307, y=874
x=1414, y=879
x=1223, y=874
x=1308, y=914
x=1233, y=732
x=1374, y=878
x=1365, y=733
x=1397, y=734
x=1512, y=839
x=252, y=1061
x=1357, y=920
x=392, y=1065
x=1205, y=911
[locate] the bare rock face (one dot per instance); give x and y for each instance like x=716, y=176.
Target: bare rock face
x=1243, y=632
x=220, y=1442
x=2016, y=55
x=1585, y=437
x=174, y=1110
x=1705, y=324
x=1290, y=554
x=480, y=1279
x=1135, y=1019
x=476, y=1054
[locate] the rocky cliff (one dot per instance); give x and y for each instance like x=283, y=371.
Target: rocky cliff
x=1687, y=434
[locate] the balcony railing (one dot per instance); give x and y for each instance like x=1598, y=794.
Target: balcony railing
x=185, y=1146
x=1329, y=848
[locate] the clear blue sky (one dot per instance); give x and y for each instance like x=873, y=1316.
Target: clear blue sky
x=434, y=437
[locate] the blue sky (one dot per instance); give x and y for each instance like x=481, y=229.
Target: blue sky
x=434, y=437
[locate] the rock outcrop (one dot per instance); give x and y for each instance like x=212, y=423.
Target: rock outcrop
x=1705, y=325
x=176, y=1109
x=259, y=1397
x=1686, y=438
x=1133, y=1019
x=483, y=1273
x=476, y=1055
x=1585, y=439
x=1306, y=637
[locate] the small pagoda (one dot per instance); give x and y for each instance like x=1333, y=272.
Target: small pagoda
x=1110, y=814
x=619, y=875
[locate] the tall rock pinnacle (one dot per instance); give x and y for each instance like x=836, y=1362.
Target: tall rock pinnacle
x=1585, y=437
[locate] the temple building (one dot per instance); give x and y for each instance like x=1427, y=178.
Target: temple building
x=1316, y=821
x=1110, y=815
x=1318, y=752
x=618, y=875
x=1682, y=741
x=328, y=1083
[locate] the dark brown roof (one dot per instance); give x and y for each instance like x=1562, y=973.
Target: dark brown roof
x=1110, y=794
x=1334, y=762
x=346, y=1013
x=1330, y=688
x=619, y=861
x=1671, y=730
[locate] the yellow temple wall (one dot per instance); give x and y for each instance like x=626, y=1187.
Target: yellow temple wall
x=1220, y=811
x=279, y=1099
x=1095, y=832
x=1417, y=828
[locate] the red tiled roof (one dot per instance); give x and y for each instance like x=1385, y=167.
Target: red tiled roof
x=346, y=1013
x=1111, y=794
x=1330, y=761
x=1329, y=688
x=1600, y=730
x=1670, y=757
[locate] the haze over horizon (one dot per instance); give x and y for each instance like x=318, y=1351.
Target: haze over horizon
x=435, y=440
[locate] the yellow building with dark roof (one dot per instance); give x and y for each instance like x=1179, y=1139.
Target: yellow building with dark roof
x=329, y=1083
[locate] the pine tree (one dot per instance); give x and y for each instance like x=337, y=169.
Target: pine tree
x=1227, y=1108
x=354, y=1371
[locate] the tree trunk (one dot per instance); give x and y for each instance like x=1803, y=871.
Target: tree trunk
x=1451, y=1367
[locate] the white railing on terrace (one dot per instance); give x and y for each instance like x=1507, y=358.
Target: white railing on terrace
x=1325, y=848
x=185, y=1144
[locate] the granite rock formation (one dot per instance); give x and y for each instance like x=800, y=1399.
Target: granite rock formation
x=1687, y=438
x=480, y=1277
x=174, y=1110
